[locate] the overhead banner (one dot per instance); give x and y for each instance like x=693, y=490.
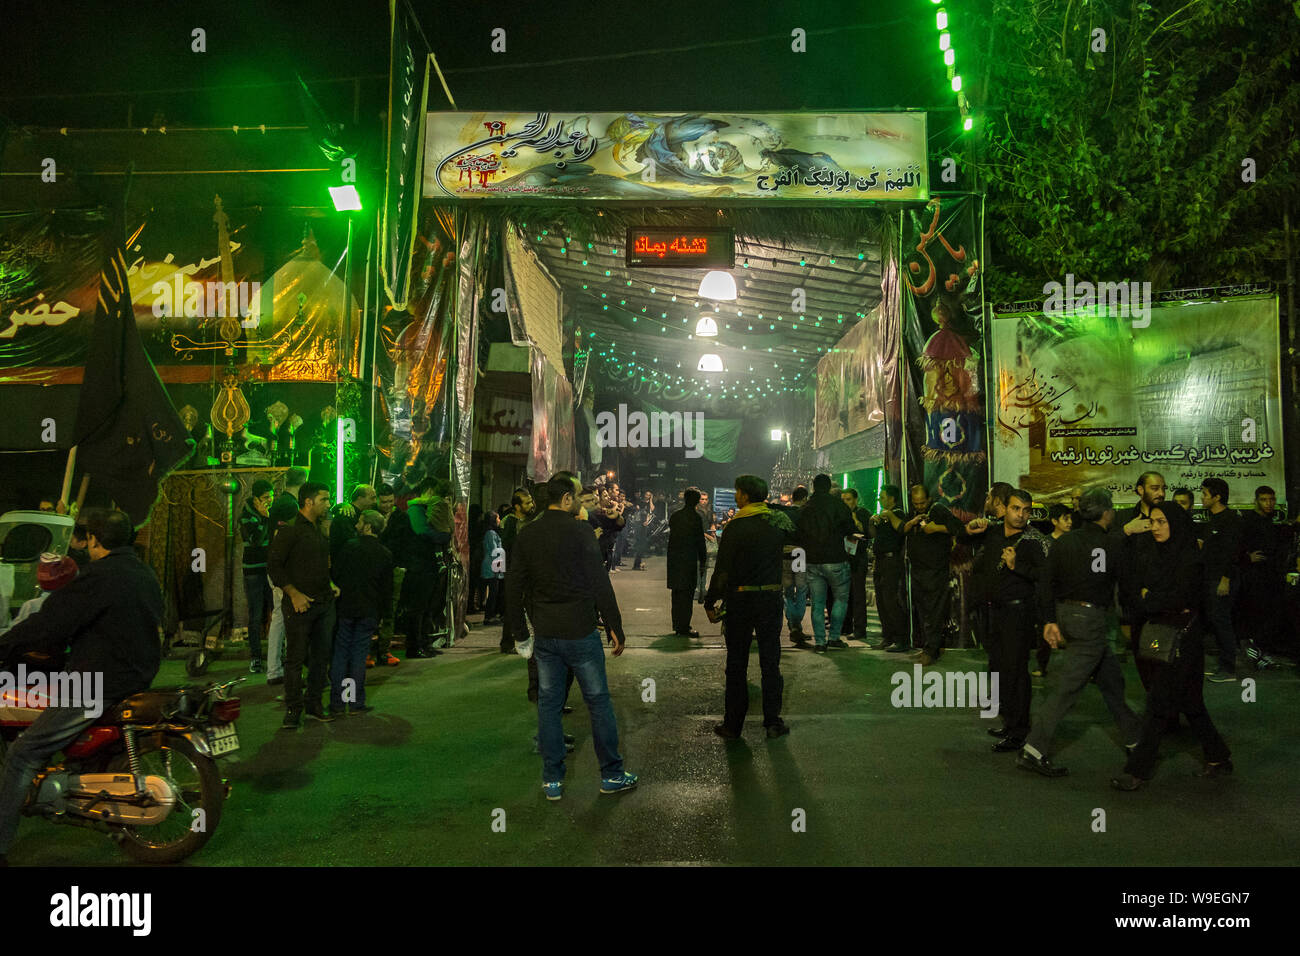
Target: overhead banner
x=289, y=317
x=1089, y=399
x=847, y=392
x=858, y=157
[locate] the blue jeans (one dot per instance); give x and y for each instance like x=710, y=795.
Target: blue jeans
x=48, y=734
x=586, y=658
x=837, y=578
x=796, y=596
x=351, y=645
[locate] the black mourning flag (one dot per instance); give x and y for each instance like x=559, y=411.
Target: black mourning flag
x=129, y=435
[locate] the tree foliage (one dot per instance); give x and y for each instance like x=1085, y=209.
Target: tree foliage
x=1119, y=155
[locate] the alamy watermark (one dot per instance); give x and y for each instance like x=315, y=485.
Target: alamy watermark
x=39, y=689
x=1122, y=299
x=656, y=430
x=952, y=689
x=206, y=299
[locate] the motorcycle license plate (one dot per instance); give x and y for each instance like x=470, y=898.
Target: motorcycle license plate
x=224, y=739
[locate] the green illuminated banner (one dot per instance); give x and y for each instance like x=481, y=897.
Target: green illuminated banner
x=1190, y=389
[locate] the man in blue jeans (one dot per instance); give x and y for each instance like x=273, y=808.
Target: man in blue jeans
x=556, y=575
x=822, y=526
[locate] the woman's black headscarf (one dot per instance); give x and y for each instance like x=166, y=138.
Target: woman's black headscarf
x=1182, y=530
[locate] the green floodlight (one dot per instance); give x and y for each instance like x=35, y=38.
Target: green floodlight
x=945, y=41
x=346, y=198
x=941, y=20
x=956, y=83
x=968, y=124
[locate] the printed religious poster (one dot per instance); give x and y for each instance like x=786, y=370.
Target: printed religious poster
x=1191, y=389
x=653, y=156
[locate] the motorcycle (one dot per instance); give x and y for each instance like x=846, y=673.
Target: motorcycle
x=145, y=772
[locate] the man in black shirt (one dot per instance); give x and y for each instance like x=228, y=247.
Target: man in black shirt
x=887, y=575
x=686, y=558
x=343, y=527
x=109, y=616
x=1263, y=578
x=821, y=527
x=255, y=528
x=747, y=577
x=363, y=572
x=396, y=526
x=523, y=510
x=556, y=575
x=299, y=562
x=855, y=618
x=1005, y=578
x=1074, y=598
x=794, y=584
x=284, y=511
x=1221, y=548
x=930, y=533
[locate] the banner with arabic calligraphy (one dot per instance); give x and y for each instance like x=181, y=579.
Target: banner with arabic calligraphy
x=943, y=333
x=289, y=316
x=847, y=392
x=503, y=424
x=1087, y=400
x=655, y=156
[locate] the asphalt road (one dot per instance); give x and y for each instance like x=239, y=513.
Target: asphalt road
x=448, y=751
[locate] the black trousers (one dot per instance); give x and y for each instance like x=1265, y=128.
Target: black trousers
x=683, y=604
x=1177, y=688
x=931, y=608
x=424, y=595
x=753, y=615
x=985, y=636
x=1016, y=626
x=308, y=639
x=856, y=618
x=888, y=580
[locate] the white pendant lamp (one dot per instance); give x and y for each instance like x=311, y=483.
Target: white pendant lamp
x=718, y=287
x=710, y=363
x=706, y=327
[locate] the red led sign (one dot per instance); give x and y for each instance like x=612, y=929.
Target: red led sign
x=705, y=248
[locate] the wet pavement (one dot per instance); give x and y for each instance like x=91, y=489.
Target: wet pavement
x=448, y=752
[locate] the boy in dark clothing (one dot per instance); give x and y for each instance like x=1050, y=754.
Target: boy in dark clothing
x=255, y=528
x=363, y=572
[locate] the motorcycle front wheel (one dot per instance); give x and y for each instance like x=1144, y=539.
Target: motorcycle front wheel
x=198, y=787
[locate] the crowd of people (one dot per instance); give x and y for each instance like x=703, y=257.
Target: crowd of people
x=338, y=583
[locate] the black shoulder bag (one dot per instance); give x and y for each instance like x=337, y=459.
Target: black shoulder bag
x=1162, y=638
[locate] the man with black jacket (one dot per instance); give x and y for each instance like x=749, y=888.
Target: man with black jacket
x=887, y=573
x=687, y=555
x=930, y=533
x=1222, y=552
x=1075, y=596
x=556, y=575
x=109, y=616
x=855, y=618
x=256, y=529
x=821, y=527
x=747, y=576
x=299, y=562
x=1263, y=578
x=284, y=512
x=1005, y=578
x=523, y=510
x=363, y=572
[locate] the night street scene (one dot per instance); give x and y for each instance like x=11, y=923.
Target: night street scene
x=672, y=434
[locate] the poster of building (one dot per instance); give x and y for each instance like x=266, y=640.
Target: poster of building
x=706, y=155
x=1191, y=389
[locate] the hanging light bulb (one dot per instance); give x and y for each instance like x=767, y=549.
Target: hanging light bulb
x=706, y=327
x=718, y=286
x=709, y=363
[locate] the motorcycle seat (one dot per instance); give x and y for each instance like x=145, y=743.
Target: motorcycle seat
x=146, y=707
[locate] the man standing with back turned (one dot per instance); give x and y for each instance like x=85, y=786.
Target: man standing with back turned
x=557, y=576
x=748, y=578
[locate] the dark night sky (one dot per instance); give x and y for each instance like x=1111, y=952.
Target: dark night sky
x=860, y=55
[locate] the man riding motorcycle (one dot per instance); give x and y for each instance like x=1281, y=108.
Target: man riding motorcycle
x=108, y=618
